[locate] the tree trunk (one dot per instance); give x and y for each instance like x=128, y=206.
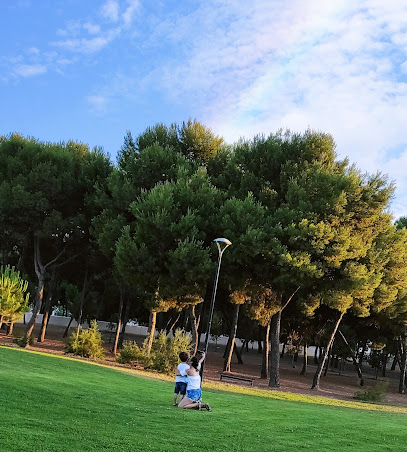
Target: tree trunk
x=330, y=358
x=318, y=373
x=266, y=351
x=186, y=319
x=119, y=322
x=362, y=353
x=238, y=355
x=235, y=351
x=82, y=299
x=44, y=323
x=228, y=359
x=305, y=359
x=316, y=361
x=40, y=270
x=259, y=340
x=274, y=381
x=10, y=330
x=283, y=350
x=171, y=328
x=194, y=328
x=227, y=348
x=48, y=306
x=395, y=361
x=403, y=362
x=37, y=307
x=402, y=382
x=355, y=362
x=124, y=323
x=67, y=328
x=385, y=358
x=151, y=330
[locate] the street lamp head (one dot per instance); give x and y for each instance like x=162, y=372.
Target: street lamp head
x=225, y=241
x=222, y=245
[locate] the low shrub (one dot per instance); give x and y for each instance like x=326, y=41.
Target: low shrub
x=164, y=355
x=375, y=393
x=132, y=353
x=22, y=341
x=166, y=350
x=87, y=343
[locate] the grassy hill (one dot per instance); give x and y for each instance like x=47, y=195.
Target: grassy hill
x=54, y=404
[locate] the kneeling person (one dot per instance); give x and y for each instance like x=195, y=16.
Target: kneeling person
x=193, y=398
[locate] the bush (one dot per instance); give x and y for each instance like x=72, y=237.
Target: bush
x=131, y=353
x=13, y=296
x=86, y=343
x=164, y=355
x=165, y=352
x=374, y=393
x=22, y=341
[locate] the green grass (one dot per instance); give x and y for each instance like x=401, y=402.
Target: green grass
x=53, y=404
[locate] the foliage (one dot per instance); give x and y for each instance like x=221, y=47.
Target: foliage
x=164, y=355
x=376, y=393
x=22, y=341
x=297, y=216
x=131, y=353
x=86, y=342
x=165, y=351
x=46, y=204
x=377, y=358
x=217, y=328
x=177, y=266
x=293, y=346
x=13, y=295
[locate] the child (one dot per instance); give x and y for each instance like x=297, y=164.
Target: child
x=181, y=381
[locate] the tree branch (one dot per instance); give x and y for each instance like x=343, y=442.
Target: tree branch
x=295, y=291
x=56, y=258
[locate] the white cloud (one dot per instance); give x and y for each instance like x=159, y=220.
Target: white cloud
x=127, y=16
x=29, y=70
x=88, y=45
x=396, y=168
x=110, y=10
x=333, y=66
x=92, y=29
x=97, y=103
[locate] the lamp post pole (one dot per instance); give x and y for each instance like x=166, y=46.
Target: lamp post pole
x=222, y=244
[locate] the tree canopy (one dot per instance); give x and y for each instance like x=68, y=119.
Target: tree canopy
x=309, y=231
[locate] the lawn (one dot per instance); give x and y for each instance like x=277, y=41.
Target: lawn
x=55, y=404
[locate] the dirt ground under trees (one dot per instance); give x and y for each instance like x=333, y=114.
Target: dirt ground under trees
x=339, y=386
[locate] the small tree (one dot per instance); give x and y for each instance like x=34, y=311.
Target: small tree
x=13, y=296
x=87, y=342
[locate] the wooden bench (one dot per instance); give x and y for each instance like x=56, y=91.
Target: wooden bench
x=231, y=376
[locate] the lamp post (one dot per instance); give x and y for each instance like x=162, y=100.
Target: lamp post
x=222, y=244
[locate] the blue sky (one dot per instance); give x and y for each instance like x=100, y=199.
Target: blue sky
x=90, y=70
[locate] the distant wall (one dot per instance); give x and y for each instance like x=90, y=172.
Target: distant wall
x=132, y=328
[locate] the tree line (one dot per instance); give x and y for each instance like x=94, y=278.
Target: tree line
x=315, y=255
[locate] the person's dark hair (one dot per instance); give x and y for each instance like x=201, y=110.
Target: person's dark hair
x=194, y=362
x=183, y=356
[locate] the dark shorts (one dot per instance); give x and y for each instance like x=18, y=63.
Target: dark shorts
x=180, y=388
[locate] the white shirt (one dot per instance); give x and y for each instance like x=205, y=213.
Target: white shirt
x=182, y=367
x=193, y=382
